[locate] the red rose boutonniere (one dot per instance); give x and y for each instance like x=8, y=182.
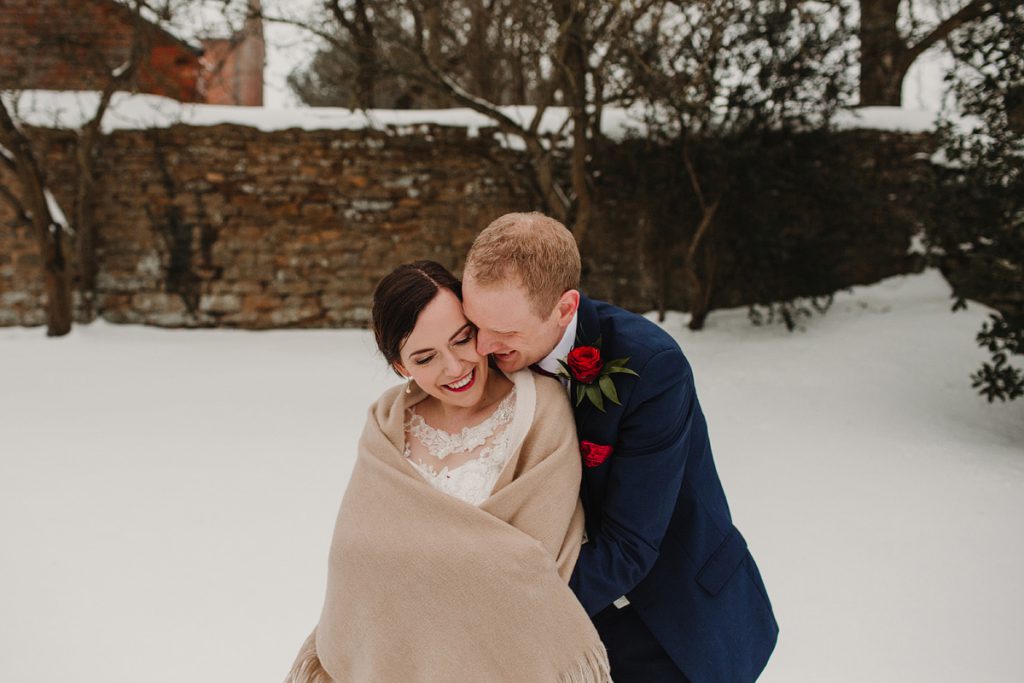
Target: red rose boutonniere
x=592, y=375
x=594, y=453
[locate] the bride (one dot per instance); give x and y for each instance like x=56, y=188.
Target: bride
x=461, y=522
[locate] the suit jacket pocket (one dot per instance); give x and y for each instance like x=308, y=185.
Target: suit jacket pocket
x=723, y=563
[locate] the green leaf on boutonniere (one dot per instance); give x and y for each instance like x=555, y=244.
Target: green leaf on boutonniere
x=601, y=387
x=608, y=387
x=617, y=365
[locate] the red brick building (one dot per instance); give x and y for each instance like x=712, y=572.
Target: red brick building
x=75, y=44
x=233, y=67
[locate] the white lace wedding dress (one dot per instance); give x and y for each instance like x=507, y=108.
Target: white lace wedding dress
x=466, y=464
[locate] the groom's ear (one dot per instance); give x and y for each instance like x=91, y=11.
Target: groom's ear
x=567, y=306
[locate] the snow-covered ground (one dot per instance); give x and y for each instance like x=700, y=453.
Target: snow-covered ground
x=167, y=497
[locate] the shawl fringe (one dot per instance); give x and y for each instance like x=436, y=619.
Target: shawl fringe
x=593, y=667
x=307, y=667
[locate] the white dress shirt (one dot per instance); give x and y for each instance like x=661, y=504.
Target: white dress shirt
x=550, y=362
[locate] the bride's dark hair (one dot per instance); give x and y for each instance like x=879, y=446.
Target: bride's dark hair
x=399, y=299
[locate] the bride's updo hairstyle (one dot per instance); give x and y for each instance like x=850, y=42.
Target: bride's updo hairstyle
x=399, y=299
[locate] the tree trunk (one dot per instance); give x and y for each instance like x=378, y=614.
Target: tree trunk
x=366, y=76
x=57, y=280
x=366, y=57
x=885, y=57
x=433, y=22
x=547, y=184
x=574, y=55
x=85, y=226
x=702, y=305
x=883, y=54
x=483, y=64
x=49, y=235
x=364, y=49
x=1014, y=102
x=700, y=284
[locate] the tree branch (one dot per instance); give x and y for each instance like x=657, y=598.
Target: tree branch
x=7, y=159
x=15, y=204
x=694, y=180
x=976, y=9
x=339, y=15
x=318, y=32
x=33, y=187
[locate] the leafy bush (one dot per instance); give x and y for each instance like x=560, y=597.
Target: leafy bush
x=977, y=233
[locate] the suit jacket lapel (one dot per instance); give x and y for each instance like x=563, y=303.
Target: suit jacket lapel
x=588, y=327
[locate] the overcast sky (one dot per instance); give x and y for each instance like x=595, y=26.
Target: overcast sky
x=287, y=48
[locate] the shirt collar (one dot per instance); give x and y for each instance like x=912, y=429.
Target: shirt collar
x=561, y=350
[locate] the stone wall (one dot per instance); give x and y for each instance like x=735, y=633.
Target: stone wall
x=230, y=226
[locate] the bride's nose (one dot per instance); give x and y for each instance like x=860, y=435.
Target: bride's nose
x=452, y=365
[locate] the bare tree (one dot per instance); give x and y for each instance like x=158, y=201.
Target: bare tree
x=67, y=235
x=33, y=206
x=723, y=75
x=886, y=53
x=86, y=150
x=485, y=55
x=37, y=204
x=571, y=57
x=356, y=20
x=347, y=71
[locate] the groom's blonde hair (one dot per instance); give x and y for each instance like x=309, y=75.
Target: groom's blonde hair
x=534, y=250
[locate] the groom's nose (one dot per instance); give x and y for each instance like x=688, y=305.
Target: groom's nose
x=485, y=343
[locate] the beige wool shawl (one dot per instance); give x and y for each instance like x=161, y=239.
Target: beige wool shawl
x=423, y=586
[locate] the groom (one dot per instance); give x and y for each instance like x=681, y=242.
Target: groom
x=665, y=576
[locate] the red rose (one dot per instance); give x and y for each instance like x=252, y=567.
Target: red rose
x=594, y=453
x=585, y=363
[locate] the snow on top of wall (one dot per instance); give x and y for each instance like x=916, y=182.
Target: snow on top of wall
x=67, y=109
x=887, y=118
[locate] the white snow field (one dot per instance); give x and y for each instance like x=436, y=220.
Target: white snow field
x=167, y=496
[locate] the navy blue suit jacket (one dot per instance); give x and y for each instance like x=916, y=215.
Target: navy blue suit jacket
x=657, y=521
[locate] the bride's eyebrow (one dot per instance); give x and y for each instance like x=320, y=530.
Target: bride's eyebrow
x=460, y=331
x=457, y=333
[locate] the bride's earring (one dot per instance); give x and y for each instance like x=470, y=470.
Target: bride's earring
x=408, y=387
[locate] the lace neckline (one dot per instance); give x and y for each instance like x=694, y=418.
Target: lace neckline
x=441, y=444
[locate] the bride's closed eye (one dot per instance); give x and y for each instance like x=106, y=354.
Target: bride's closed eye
x=465, y=339
x=461, y=341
